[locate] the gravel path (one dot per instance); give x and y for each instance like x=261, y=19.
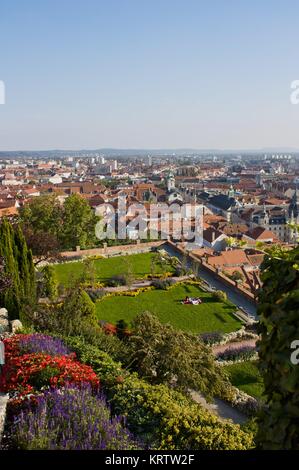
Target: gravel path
x=220, y=408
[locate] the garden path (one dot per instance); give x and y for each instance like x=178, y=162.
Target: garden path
x=220, y=408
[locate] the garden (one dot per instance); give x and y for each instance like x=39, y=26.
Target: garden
x=210, y=315
x=66, y=394
x=138, y=265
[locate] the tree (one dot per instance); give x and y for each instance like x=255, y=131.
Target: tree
x=18, y=266
x=279, y=328
x=42, y=214
x=50, y=283
x=79, y=221
x=70, y=224
x=5, y=279
x=122, y=329
x=78, y=312
x=44, y=245
x=237, y=276
x=89, y=272
x=162, y=354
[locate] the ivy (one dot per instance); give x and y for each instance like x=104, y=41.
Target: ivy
x=279, y=327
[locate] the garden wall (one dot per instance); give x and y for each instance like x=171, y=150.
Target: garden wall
x=114, y=250
x=213, y=271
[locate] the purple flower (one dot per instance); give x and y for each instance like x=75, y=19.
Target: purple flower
x=71, y=418
x=39, y=343
x=241, y=352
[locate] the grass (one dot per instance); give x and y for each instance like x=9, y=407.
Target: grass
x=246, y=377
x=139, y=264
x=206, y=317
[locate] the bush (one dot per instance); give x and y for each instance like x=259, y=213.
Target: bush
x=219, y=296
x=162, y=283
x=161, y=417
x=70, y=419
x=211, y=338
x=117, y=281
x=96, y=294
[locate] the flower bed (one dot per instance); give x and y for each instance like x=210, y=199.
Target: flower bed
x=54, y=399
x=242, y=353
x=70, y=418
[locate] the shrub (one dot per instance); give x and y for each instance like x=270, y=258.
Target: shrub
x=122, y=329
x=70, y=419
x=163, y=418
x=96, y=294
x=167, y=420
x=219, y=296
x=161, y=283
x=49, y=282
x=211, y=338
x=119, y=280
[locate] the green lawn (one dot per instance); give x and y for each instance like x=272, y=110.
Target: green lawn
x=207, y=317
x=139, y=264
x=246, y=376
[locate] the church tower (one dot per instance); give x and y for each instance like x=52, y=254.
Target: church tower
x=294, y=208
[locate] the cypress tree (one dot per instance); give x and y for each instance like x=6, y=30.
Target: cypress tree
x=10, y=298
x=19, y=266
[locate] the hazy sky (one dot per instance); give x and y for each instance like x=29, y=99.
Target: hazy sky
x=148, y=73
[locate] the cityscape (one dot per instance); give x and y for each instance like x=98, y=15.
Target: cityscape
x=149, y=295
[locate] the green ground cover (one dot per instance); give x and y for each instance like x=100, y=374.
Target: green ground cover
x=246, y=376
x=139, y=264
x=206, y=317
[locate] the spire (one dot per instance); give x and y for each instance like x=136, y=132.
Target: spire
x=294, y=206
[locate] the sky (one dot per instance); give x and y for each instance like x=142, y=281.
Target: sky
x=148, y=74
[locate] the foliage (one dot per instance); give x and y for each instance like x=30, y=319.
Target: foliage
x=26, y=373
x=40, y=343
x=122, y=329
x=239, y=353
x=279, y=327
x=163, y=418
x=211, y=338
x=246, y=377
x=117, y=280
x=78, y=310
x=160, y=353
x=49, y=282
x=219, y=296
x=18, y=266
x=106, y=268
x=71, y=418
x=161, y=283
x=72, y=223
x=44, y=245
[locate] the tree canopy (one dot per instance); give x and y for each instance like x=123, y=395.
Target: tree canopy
x=162, y=354
x=71, y=223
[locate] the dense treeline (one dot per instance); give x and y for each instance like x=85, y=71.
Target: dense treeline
x=52, y=225
x=18, y=268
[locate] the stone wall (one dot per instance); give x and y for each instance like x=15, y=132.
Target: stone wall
x=114, y=250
